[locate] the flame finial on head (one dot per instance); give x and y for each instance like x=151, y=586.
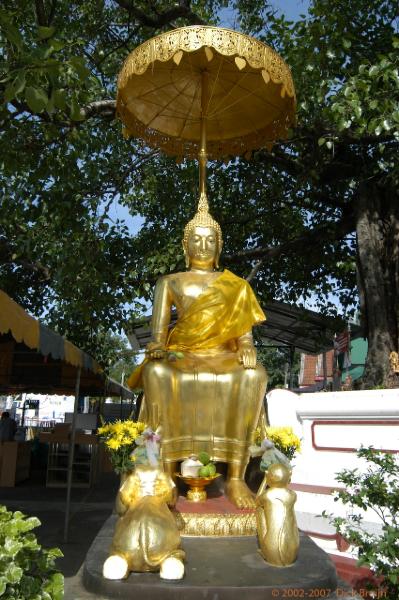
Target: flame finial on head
x=203, y=218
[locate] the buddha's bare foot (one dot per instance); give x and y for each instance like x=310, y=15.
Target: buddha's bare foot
x=239, y=493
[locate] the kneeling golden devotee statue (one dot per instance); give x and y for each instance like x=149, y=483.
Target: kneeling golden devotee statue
x=146, y=536
x=210, y=399
x=275, y=516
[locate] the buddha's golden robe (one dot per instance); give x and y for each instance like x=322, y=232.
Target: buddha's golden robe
x=205, y=401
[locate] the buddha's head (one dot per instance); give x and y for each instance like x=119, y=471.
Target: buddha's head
x=202, y=239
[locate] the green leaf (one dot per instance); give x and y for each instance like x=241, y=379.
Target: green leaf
x=13, y=573
x=373, y=71
x=9, y=93
x=12, y=546
x=19, y=82
x=43, y=33
x=36, y=99
x=3, y=585
x=31, y=522
x=55, y=553
x=55, y=586
x=16, y=87
x=13, y=35
x=79, y=66
x=30, y=586
x=321, y=141
x=60, y=99
x=358, y=111
x=57, y=44
x=76, y=114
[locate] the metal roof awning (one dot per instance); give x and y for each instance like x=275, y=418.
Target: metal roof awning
x=301, y=328
x=286, y=325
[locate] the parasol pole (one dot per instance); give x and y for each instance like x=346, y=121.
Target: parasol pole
x=202, y=155
x=71, y=453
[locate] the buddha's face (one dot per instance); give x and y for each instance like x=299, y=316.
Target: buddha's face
x=202, y=247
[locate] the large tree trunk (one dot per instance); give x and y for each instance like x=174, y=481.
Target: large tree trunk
x=377, y=230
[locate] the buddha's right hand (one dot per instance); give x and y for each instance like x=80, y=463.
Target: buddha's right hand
x=155, y=350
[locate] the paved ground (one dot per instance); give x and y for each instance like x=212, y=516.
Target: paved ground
x=89, y=510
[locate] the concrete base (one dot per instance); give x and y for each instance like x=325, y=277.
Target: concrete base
x=222, y=568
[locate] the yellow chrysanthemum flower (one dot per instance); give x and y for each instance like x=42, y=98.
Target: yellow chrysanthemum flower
x=120, y=433
x=117, y=428
x=104, y=429
x=113, y=444
x=284, y=438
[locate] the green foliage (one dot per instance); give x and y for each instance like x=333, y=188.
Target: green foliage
x=63, y=254
x=276, y=363
x=376, y=488
x=121, y=358
x=27, y=571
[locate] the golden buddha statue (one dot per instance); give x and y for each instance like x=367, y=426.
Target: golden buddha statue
x=202, y=383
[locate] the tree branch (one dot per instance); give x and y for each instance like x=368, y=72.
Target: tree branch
x=101, y=108
x=317, y=236
x=52, y=12
x=279, y=158
x=41, y=16
x=183, y=10
x=8, y=256
x=255, y=270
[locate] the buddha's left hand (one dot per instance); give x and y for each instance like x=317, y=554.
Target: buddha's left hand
x=247, y=357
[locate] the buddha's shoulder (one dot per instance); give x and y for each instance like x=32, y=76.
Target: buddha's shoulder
x=171, y=277
x=233, y=277
x=188, y=276
x=184, y=278
x=171, y=280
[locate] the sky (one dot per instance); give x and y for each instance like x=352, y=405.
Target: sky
x=292, y=9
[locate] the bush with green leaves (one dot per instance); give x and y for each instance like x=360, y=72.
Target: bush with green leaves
x=376, y=488
x=27, y=571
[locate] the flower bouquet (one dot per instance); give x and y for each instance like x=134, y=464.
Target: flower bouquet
x=121, y=439
x=280, y=446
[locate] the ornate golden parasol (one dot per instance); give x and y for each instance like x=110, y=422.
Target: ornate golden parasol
x=206, y=92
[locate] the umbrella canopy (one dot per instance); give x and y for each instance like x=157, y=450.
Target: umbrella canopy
x=33, y=358
x=248, y=103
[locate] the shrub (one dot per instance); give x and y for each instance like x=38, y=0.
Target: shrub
x=377, y=488
x=27, y=571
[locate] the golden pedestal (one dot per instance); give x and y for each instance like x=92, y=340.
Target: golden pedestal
x=215, y=517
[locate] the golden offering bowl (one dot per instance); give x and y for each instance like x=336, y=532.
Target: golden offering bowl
x=196, y=492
